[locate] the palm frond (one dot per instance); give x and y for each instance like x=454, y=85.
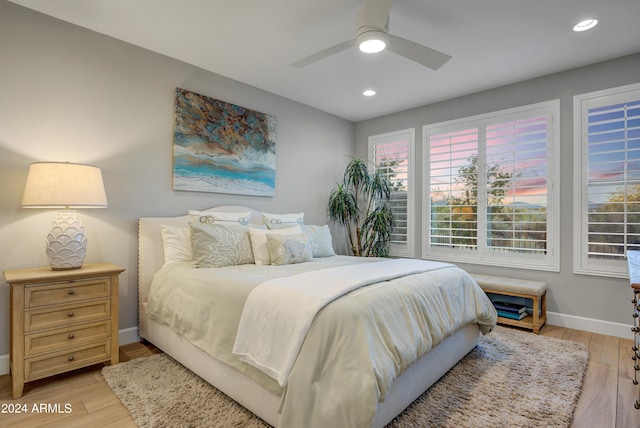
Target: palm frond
x=371, y=236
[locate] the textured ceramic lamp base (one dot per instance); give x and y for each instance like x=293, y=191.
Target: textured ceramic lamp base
x=66, y=244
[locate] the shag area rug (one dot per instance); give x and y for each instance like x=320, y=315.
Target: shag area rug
x=512, y=378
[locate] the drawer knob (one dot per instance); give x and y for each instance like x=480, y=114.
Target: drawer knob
x=71, y=336
x=70, y=314
x=71, y=358
x=71, y=292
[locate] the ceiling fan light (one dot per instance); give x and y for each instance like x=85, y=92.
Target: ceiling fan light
x=372, y=46
x=372, y=41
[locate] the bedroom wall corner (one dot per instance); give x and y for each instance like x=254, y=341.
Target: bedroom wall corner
x=70, y=94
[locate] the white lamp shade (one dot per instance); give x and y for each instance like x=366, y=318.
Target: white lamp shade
x=64, y=185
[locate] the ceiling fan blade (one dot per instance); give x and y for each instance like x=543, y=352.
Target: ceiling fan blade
x=376, y=13
x=421, y=54
x=323, y=54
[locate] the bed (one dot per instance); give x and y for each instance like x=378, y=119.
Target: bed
x=326, y=385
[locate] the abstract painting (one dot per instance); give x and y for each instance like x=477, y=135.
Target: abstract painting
x=221, y=147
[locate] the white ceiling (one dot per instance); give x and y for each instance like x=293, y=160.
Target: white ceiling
x=493, y=43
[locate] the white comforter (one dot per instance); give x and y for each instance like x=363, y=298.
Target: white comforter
x=278, y=313
x=356, y=347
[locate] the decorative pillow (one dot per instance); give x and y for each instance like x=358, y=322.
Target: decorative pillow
x=319, y=240
x=259, y=242
x=279, y=221
x=220, y=244
x=288, y=249
x=176, y=242
x=242, y=217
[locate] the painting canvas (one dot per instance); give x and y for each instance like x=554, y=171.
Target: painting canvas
x=221, y=147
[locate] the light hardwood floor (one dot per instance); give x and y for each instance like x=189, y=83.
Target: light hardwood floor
x=606, y=401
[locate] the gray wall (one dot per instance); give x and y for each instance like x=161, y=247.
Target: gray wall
x=69, y=94
x=580, y=295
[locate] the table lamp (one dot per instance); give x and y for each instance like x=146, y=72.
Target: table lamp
x=66, y=186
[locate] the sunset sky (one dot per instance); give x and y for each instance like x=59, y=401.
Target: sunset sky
x=613, y=149
x=519, y=147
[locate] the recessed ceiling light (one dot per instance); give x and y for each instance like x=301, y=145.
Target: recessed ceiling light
x=585, y=25
x=369, y=93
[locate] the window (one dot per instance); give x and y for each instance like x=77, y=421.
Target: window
x=490, y=186
x=607, y=179
x=393, y=154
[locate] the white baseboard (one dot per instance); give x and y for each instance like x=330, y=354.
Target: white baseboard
x=4, y=364
x=589, y=324
x=128, y=335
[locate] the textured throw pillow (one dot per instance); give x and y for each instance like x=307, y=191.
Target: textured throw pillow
x=259, y=242
x=220, y=244
x=279, y=221
x=176, y=242
x=242, y=217
x=319, y=240
x=288, y=249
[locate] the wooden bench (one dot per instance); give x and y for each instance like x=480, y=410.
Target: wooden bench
x=534, y=290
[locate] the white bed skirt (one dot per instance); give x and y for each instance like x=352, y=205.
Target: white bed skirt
x=263, y=403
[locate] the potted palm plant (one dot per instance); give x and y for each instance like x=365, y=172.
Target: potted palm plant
x=360, y=203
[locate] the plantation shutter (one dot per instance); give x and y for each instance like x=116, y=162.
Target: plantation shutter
x=454, y=196
x=392, y=160
x=392, y=154
x=490, y=183
x=516, y=186
x=613, y=180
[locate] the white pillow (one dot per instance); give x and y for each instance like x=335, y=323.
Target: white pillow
x=319, y=240
x=242, y=217
x=279, y=221
x=259, y=245
x=176, y=242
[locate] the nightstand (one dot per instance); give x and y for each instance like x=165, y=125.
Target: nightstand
x=62, y=320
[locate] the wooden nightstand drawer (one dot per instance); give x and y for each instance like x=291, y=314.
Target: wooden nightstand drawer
x=62, y=320
x=66, y=315
x=51, y=364
x=65, y=338
x=65, y=292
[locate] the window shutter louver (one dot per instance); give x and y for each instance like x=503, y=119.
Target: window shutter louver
x=392, y=159
x=392, y=154
x=454, y=207
x=517, y=207
x=613, y=180
x=489, y=180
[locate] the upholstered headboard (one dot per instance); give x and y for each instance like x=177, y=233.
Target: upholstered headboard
x=150, y=249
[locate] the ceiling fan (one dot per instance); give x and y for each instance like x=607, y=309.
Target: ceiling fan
x=372, y=35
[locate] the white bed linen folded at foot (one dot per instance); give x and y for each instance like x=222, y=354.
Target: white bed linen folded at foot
x=279, y=312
